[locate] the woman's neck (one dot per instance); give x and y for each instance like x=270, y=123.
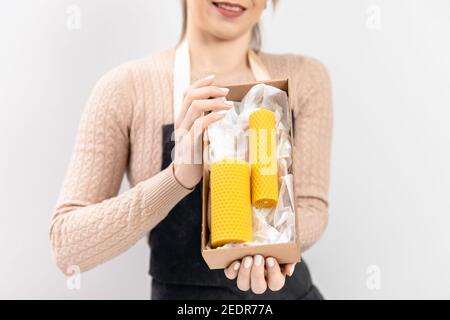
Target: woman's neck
x=210, y=55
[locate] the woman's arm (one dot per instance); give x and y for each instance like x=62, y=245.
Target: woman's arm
x=91, y=224
x=313, y=128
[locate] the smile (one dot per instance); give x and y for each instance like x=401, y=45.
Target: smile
x=229, y=9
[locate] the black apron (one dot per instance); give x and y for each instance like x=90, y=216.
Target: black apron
x=177, y=266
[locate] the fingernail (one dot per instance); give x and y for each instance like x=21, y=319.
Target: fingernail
x=291, y=272
x=221, y=112
x=210, y=77
x=248, y=263
x=258, y=260
x=236, y=266
x=229, y=103
x=226, y=90
x=270, y=262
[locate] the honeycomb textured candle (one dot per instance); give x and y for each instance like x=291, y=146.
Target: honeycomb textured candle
x=263, y=157
x=231, y=216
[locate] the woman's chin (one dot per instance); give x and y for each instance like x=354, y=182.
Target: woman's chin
x=227, y=33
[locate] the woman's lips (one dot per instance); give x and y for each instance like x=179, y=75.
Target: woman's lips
x=229, y=9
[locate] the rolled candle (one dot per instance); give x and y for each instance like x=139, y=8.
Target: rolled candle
x=231, y=215
x=263, y=158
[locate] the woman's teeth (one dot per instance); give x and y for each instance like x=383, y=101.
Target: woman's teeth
x=229, y=7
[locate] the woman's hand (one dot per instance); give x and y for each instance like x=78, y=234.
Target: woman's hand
x=199, y=98
x=259, y=274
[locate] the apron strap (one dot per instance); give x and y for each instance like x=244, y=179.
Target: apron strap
x=181, y=76
x=257, y=66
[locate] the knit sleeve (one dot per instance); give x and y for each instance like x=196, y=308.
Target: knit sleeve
x=91, y=223
x=312, y=145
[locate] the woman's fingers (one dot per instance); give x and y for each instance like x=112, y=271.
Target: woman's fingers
x=275, y=278
x=258, y=273
x=243, y=280
x=205, y=93
x=203, y=122
x=199, y=93
x=206, y=81
x=200, y=107
x=288, y=269
x=257, y=278
x=232, y=271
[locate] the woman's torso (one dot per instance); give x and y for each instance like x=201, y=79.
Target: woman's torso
x=175, y=242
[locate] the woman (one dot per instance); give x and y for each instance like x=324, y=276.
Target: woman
x=128, y=125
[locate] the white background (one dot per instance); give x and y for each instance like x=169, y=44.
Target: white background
x=389, y=204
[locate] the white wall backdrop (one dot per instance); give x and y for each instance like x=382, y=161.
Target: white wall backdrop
x=389, y=207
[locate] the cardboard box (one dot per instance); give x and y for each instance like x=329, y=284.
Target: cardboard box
x=222, y=258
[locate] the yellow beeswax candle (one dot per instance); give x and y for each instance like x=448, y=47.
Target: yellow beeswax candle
x=263, y=158
x=231, y=215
